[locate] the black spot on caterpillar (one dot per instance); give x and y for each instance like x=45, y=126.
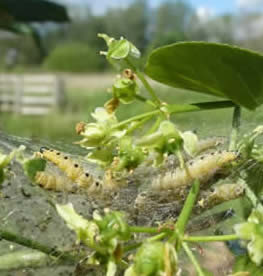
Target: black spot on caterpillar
x=59, y=183
x=53, y=182
x=71, y=168
x=222, y=193
x=202, y=168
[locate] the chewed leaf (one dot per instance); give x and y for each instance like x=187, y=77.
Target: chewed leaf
x=210, y=68
x=84, y=229
x=32, y=166
x=6, y=159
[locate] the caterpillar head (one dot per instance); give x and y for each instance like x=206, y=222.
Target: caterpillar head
x=42, y=149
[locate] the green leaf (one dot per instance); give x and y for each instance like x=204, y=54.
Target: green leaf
x=244, y=264
x=32, y=166
x=34, y=11
x=216, y=69
x=252, y=230
x=85, y=230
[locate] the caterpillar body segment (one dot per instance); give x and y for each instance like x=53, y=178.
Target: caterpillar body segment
x=72, y=169
x=209, y=143
x=222, y=193
x=202, y=169
x=53, y=182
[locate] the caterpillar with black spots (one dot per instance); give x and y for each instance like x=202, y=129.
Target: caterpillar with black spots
x=201, y=168
x=76, y=177
x=59, y=183
x=71, y=168
x=53, y=182
x=221, y=193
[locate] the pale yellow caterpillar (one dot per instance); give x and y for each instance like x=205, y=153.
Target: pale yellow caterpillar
x=59, y=183
x=72, y=169
x=201, y=168
x=53, y=182
x=222, y=193
x=210, y=142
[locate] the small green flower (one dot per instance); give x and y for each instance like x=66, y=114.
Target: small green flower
x=166, y=140
x=154, y=259
x=130, y=156
x=252, y=230
x=125, y=90
x=118, y=50
x=99, y=133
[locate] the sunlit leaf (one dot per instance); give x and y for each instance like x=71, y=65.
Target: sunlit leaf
x=216, y=69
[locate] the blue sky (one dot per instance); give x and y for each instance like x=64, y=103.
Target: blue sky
x=218, y=6
x=213, y=6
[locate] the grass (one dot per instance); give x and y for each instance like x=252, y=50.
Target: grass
x=60, y=125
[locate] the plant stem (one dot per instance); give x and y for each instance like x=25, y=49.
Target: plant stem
x=142, y=99
x=144, y=81
x=235, y=128
x=193, y=259
x=187, y=210
x=211, y=238
x=141, y=229
x=136, y=118
x=137, y=125
x=131, y=247
x=178, y=108
x=68, y=258
x=24, y=258
x=155, y=125
x=157, y=237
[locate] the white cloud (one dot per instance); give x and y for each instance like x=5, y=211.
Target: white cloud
x=204, y=13
x=248, y=3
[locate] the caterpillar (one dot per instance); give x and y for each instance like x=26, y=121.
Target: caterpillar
x=210, y=142
x=71, y=168
x=53, y=182
x=202, y=169
x=59, y=183
x=220, y=194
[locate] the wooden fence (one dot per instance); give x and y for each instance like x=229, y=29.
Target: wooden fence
x=30, y=94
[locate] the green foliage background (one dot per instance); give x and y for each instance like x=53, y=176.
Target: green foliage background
x=74, y=57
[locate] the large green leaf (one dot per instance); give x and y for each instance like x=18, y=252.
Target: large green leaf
x=33, y=11
x=211, y=68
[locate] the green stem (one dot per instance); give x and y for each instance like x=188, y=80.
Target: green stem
x=136, y=118
x=137, y=125
x=24, y=258
x=6, y=235
x=131, y=247
x=141, y=229
x=187, y=209
x=157, y=237
x=193, y=259
x=235, y=128
x=144, y=100
x=210, y=238
x=155, y=125
x=144, y=81
x=179, y=108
